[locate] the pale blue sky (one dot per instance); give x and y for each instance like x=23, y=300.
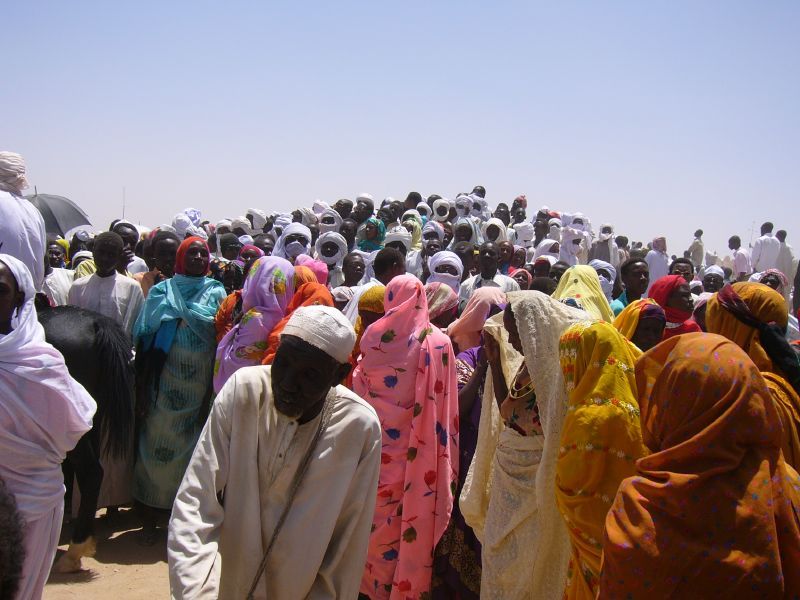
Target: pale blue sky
x=656, y=116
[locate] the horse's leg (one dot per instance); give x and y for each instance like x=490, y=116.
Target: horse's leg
x=85, y=460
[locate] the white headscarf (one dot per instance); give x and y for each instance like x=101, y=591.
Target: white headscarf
x=243, y=224
x=181, y=222
x=545, y=249
x=554, y=226
x=323, y=327
x=309, y=216
x=223, y=223
x=194, y=215
x=475, y=237
x=282, y=221
x=445, y=257
x=293, y=228
x=606, y=285
x=441, y=203
x=502, y=237
x=259, y=218
x=463, y=206
x=327, y=227
x=399, y=234
x=12, y=173
x=523, y=234
x=435, y=227
x=424, y=210
x=319, y=207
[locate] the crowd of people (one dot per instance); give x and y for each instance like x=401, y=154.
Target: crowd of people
x=417, y=398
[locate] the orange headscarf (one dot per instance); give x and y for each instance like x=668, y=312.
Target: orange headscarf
x=714, y=509
x=767, y=306
x=303, y=275
x=308, y=294
x=224, y=319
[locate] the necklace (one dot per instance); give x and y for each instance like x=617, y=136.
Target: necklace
x=516, y=392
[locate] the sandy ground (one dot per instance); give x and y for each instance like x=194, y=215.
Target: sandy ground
x=122, y=568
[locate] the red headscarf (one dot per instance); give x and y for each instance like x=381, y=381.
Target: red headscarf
x=677, y=319
x=180, y=258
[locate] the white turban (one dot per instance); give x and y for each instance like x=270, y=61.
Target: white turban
x=714, y=270
x=197, y=231
x=241, y=223
x=244, y=240
x=194, y=215
x=12, y=173
x=282, y=221
x=291, y=229
x=445, y=257
x=323, y=327
x=224, y=223
x=327, y=215
x=444, y=204
x=436, y=228
x=523, y=234
x=259, y=218
x=399, y=234
x=502, y=236
x=320, y=207
x=181, y=222
x=463, y=206
x=367, y=197
x=341, y=243
x=424, y=209
x=309, y=216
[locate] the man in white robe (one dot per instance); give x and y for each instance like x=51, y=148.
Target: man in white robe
x=107, y=291
x=239, y=482
x=22, y=233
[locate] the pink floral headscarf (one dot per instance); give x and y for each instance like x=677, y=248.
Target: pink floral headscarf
x=267, y=291
x=407, y=373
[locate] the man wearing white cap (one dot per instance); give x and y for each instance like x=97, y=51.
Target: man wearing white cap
x=277, y=501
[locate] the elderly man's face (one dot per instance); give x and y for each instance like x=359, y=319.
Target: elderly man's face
x=302, y=375
x=712, y=283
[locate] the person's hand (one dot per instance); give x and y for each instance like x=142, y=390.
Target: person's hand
x=491, y=349
x=127, y=256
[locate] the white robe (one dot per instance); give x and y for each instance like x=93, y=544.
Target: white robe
x=238, y=482
x=56, y=285
x=116, y=296
x=22, y=234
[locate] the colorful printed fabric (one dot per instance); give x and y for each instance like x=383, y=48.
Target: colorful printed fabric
x=713, y=510
x=441, y=299
x=308, y=294
x=466, y=330
x=407, y=373
x=228, y=314
x=303, y=274
x=627, y=321
x=582, y=284
x=600, y=442
x=267, y=291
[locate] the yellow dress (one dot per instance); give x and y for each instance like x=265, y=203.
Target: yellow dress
x=600, y=441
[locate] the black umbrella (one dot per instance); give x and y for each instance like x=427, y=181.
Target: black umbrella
x=60, y=214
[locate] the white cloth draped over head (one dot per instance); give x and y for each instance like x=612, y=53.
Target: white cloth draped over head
x=244, y=240
x=463, y=206
x=22, y=234
x=44, y=411
x=439, y=205
x=399, y=234
x=243, y=224
x=12, y=173
x=329, y=220
x=714, y=270
x=523, y=234
x=445, y=257
x=224, y=223
x=545, y=248
x=323, y=327
x=424, y=209
x=554, y=227
x=518, y=473
x=282, y=221
x=181, y=223
x=291, y=229
x=194, y=230
x=308, y=216
x=475, y=236
x=341, y=245
x=259, y=218
x=435, y=227
x=502, y=236
x=606, y=283
x=320, y=207
x=195, y=215
x=570, y=250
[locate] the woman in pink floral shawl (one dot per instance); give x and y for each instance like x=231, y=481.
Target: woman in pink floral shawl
x=267, y=291
x=407, y=373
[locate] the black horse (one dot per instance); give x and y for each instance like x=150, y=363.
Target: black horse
x=98, y=354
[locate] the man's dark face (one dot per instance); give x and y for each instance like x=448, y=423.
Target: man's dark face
x=10, y=298
x=55, y=255
x=683, y=270
x=348, y=232
x=648, y=334
x=506, y=250
x=463, y=233
x=489, y=257
x=353, y=269
x=712, y=283
x=636, y=279
x=265, y=243
x=399, y=246
x=467, y=258
x=129, y=236
x=518, y=215
x=557, y=271
x=344, y=208
x=540, y=229
x=479, y=191
x=771, y=280
x=398, y=208
x=302, y=376
x=230, y=251
x=362, y=211
x=297, y=217
x=106, y=256
x=518, y=258
x=502, y=213
x=164, y=256
x=386, y=215
x=328, y=249
x=432, y=246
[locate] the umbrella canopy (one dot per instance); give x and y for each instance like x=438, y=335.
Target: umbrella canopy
x=60, y=214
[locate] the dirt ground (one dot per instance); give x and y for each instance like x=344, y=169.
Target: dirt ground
x=121, y=569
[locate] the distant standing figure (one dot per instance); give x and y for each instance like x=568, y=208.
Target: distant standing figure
x=657, y=260
x=765, y=250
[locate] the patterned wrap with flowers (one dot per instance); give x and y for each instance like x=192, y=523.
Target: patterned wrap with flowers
x=600, y=442
x=267, y=291
x=407, y=373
